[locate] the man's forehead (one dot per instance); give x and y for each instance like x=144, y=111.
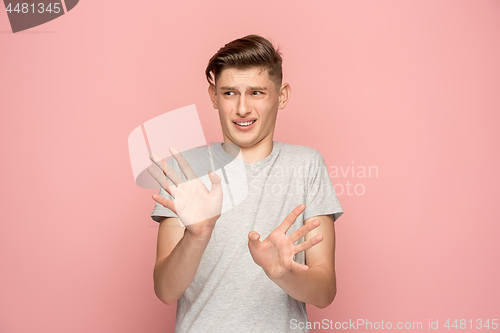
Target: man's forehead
x=250, y=87
x=230, y=75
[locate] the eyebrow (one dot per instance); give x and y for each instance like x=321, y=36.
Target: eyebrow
x=235, y=88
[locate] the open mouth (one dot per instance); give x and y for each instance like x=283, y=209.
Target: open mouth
x=245, y=123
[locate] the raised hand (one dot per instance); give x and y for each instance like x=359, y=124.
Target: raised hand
x=275, y=253
x=196, y=206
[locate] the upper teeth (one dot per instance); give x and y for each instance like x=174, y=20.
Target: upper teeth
x=246, y=123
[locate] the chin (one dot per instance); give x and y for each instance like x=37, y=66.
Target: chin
x=243, y=142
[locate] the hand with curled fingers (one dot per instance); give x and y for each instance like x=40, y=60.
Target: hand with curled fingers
x=275, y=253
x=196, y=207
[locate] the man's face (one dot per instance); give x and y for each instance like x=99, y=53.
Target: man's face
x=248, y=105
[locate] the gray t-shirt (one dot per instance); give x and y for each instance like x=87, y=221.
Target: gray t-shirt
x=230, y=292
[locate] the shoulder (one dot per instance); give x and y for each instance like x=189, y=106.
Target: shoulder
x=194, y=154
x=298, y=151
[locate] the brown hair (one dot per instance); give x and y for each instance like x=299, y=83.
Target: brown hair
x=247, y=52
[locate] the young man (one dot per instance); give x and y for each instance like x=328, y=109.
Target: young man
x=245, y=270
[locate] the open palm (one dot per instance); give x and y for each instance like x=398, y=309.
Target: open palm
x=196, y=206
x=275, y=253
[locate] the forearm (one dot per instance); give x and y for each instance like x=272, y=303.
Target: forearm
x=173, y=274
x=316, y=286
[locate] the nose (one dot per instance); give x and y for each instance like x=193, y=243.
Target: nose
x=243, y=107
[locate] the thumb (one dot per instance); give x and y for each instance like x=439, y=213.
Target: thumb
x=253, y=239
x=216, y=183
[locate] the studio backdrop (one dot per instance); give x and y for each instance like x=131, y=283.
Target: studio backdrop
x=399, y=97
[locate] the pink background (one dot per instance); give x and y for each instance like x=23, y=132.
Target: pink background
x=410, y=87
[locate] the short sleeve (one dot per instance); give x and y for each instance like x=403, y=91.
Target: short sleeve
x=159, y=211
x=321, y=198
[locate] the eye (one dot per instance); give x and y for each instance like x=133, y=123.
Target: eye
x=258, y=92
x=227, y=92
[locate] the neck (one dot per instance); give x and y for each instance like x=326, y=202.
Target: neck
x=251, y=154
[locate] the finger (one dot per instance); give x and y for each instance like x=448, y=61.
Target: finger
x=290, y=219
x=308, y=244
x=183, y=164
x=298, y=267
x=167, y=169
x=160, y=178
x=253, y=239
x=165, y=202
x=216, y=183
x=302, y=231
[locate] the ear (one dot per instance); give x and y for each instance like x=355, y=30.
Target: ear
x=212, y=93
x=284, y=95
